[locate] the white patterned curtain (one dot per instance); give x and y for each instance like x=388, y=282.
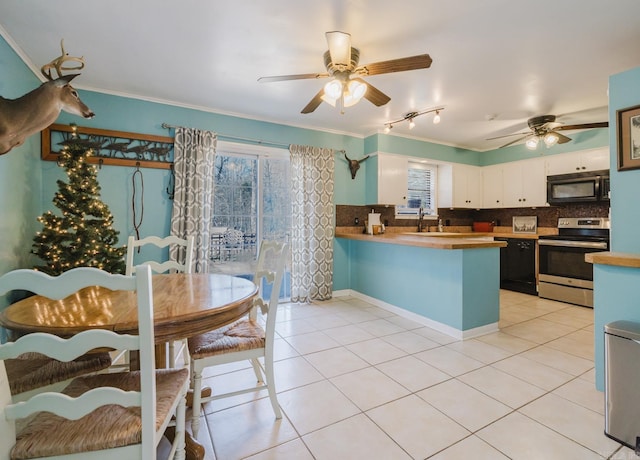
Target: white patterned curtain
x=194, y=157
x=312, y=222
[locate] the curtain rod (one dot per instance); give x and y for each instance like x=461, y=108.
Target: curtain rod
x=236, y=138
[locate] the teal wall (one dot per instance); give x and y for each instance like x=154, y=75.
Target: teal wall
x=20, y=174
x=421, y=149
x=617, y=289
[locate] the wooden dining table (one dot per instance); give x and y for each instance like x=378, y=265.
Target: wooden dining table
x=184, y=305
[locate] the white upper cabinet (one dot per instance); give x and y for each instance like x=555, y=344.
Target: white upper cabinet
x=390, y=185
x=525, y=183
x=582, y=161
x=516, y=184
x=492, y=186
x=459, y=186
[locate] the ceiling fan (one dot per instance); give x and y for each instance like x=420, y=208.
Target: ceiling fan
x=546, y=128
x=346, y=86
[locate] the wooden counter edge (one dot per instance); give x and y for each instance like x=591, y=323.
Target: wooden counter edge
x=450, y=234
x=618, y=259
x=423, y=241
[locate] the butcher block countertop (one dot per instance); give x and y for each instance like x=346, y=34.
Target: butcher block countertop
x=453, y=238
x=426, y=240
x=618, y=259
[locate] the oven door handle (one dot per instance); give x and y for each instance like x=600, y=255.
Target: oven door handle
x=573, y=244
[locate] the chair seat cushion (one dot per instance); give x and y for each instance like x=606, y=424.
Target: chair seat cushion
x=106, y=427
x=34, y=370
x=240, y=336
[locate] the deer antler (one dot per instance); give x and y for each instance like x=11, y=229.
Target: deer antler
x=58, y=62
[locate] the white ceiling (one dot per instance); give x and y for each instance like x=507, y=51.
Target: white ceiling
x=495, y=62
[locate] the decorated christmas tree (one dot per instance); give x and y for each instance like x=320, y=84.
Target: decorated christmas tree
x=82, y=233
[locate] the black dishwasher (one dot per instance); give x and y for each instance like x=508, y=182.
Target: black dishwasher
x=518, y=265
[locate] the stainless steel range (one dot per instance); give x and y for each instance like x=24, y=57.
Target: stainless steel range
x=563, y=273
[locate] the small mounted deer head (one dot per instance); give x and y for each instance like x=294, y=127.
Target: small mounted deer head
x=31, y=113
x=354, y=165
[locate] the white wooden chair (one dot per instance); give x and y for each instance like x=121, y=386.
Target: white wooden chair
x=244, y=339
x=119, y=415
x=33, y=373
x=186, y=246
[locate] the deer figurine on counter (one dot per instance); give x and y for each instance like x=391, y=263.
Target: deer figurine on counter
x=354, y=165
x=36, y=110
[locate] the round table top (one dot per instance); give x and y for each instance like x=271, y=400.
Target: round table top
x=184, y=305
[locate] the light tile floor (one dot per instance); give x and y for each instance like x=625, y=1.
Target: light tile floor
x=358, y=382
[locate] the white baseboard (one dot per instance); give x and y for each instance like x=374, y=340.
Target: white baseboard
x=440, y=327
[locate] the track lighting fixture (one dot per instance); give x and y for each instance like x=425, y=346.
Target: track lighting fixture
x=410, y=117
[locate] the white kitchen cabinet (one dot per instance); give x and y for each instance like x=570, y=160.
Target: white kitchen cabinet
x=582, y=161
x=389, y=184
x=459, y=186
x=525, y=183
x=493, y=186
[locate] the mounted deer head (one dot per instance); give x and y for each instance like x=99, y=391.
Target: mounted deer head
x=354, y=165
x=33, y=112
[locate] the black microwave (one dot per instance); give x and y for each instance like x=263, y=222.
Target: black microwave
x=578, y=187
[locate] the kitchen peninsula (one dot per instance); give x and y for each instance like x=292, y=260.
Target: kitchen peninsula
x=448, y=282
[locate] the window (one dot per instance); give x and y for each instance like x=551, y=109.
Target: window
x=252, y=202
x=421, y=191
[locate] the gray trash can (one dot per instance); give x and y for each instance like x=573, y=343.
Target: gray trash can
x=622, y=382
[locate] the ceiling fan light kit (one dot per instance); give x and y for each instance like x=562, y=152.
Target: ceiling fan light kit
x=346, y=87
x=532, y=143
x=550, y=139
x=410, y=117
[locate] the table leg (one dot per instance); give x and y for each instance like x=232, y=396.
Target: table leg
x=205, y=392
x=161, y=358
x=193, y=449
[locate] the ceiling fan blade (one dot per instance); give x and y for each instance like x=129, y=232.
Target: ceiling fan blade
x=562, y=139
x=301, y=76
x=339, y=47
x=313, y=103
x=514, y=142
x=603, y=124
x=373, y=94
x=506, y=135
x=421, y=61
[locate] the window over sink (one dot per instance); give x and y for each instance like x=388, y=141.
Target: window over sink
x=421, y=191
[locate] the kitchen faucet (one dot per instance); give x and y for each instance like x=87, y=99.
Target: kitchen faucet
x=420, y=219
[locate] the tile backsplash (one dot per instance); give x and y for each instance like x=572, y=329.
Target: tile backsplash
x=547, y=216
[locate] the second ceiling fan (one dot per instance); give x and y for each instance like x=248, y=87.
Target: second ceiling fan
x=346, y=86
x=546, y=128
